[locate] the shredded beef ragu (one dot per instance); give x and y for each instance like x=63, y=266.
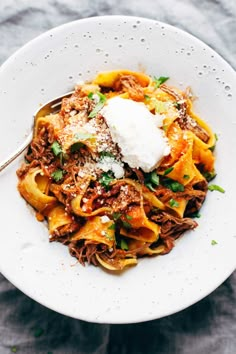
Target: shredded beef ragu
x=128, y=83
x=119, y=197
x=184, y=120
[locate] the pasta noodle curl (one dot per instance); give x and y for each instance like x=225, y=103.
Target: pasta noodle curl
x=108, y=212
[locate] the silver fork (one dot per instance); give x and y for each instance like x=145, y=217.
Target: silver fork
x=49, y=107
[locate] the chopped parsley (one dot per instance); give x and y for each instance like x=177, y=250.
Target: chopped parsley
x=99, y=105
x=116, y=216
x=90, y=95
x=212, y=148
x=160, y=80
x=57, y=175
x=165, y=127
x=214, y=242
x=173, y=203
x=56, y=148
x=195, y=215
x=176, y=186
x=13, y=349
x=173, y=185
x=186, y=176
x=209, y=175
x=103, y=154
x=147, y=98
x=128, y=217
x=151, y=179
x=177, y=105
x=154, y=178
x=106, y=179
x=123, y=245
x=112, y=226
x=149, y=186
x=76, y=146
x=126, y=224
x=168, y=170
x=215, y=187
x=57, y=151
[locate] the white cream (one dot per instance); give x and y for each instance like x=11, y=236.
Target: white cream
x=133, y=127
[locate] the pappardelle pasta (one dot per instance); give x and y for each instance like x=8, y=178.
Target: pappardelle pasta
x=119, y=172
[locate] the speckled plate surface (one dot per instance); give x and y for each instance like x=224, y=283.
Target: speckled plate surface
x=49, y=66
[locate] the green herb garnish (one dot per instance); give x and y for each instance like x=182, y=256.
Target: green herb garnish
x=126, y=224
x=165, y=127
x=151, y=179
x=159, y=81
x=173, y=203
x=90, y=95
x=99, y=105
x=128, y=217
x=214, y=242
x=154, y=178
x=112, y=227
x=103, y=154
x=212, y=148
x=106, y=179
x=147, y=98
x=56, y=148
x=13, y=349
x=76, y=146
x=195, y=215
x=149, y=186
x=123, y=245
x=168, y=170
x=116, y=216
x=186, y=176
x=57, y=151
x=209, y=175
x=57, y=175
x=177, y=105
x=214, y=187
x=174, y=186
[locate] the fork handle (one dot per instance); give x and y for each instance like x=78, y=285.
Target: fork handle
x=15, y=154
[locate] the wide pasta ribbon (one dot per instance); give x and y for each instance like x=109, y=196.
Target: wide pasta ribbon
x=34, y=188
x=97, y=231
x=140, y=227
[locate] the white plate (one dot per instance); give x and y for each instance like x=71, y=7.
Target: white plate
x=49, y=66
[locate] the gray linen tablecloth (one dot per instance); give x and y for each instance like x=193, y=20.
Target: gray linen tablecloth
x=208, y=326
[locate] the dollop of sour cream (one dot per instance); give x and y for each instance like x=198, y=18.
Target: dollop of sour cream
x=133, y=127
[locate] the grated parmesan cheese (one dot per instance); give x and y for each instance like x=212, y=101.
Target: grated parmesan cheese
x=108, y=163
x=105, y=219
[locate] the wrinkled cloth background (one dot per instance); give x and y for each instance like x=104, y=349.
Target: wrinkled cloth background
x=208, y=326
